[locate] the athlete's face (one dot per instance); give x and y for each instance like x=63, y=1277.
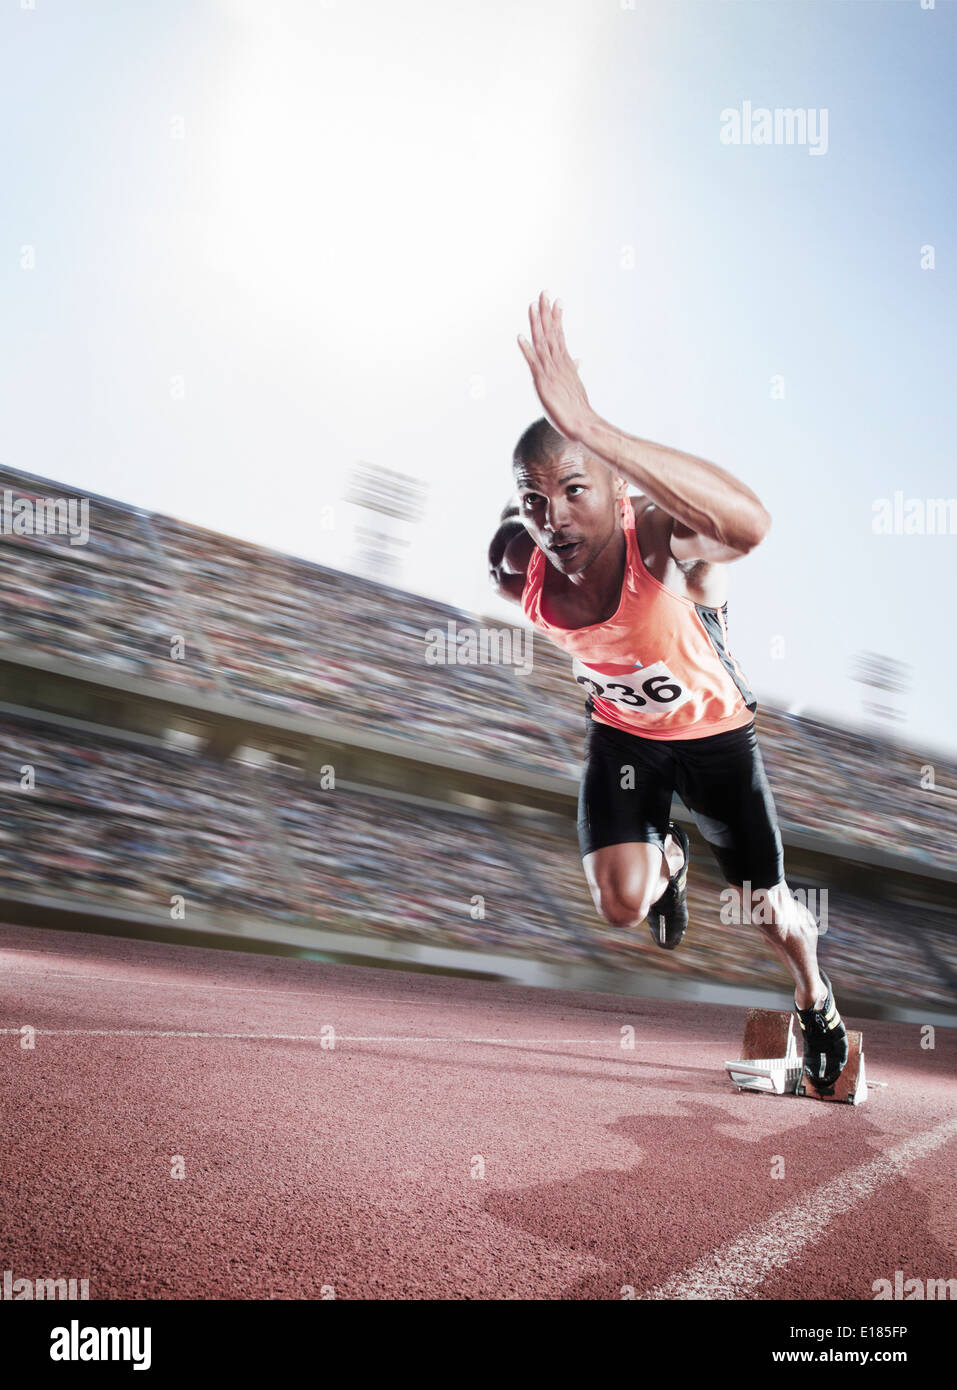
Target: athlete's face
x=568, y=505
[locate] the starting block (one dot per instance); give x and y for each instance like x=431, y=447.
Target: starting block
x=769, y=1056
x=851, y=1085
x=770, y=1061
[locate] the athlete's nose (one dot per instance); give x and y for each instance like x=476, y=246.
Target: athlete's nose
x=556, y=515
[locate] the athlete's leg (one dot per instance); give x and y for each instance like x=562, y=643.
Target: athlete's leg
x=724, y=784
x=791, y=931
x=626, y=879
x=624, y=806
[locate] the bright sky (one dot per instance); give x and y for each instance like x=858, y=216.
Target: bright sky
x=273, y=239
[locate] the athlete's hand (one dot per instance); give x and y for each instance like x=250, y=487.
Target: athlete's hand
x=554, y=373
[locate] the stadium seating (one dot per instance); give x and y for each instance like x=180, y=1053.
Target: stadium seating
x=113, y=821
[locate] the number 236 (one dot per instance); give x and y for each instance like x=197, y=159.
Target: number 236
x=657, y=688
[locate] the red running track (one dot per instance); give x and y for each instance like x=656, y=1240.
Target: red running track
x=460, y=1140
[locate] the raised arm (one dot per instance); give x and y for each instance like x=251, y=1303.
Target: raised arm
x=715, y=516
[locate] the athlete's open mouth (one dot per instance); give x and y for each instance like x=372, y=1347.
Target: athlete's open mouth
x=566, y=549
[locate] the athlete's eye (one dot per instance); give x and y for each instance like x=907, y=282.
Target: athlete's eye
x=530, y=499
x=575, y=487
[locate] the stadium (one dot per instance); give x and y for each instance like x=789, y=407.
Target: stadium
x=478, y=776
x=256, y=792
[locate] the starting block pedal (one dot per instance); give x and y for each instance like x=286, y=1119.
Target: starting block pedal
x=770, y=1061
x=851, y=1086
x=769, y=1057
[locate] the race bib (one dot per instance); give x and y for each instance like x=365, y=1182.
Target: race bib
x=647, y=690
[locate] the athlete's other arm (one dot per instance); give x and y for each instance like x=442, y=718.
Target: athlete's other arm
x=509, y=554
x=715, y=516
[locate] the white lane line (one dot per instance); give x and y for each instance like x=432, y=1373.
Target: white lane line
x=339, y=1037
x=736, y=1270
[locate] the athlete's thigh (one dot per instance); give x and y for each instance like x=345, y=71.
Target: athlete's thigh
x=723, y=783
x=624, y=802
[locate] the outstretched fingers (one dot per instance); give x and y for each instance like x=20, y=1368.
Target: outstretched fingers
x=559, y=347
x=547, y=346
x=536, y=311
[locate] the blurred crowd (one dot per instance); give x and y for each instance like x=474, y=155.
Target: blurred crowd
x=108, y=601
x=315, y=641
x=129, y=822
x=858, y=789
x=155, y=598
x=110, y=822
x=100, y=819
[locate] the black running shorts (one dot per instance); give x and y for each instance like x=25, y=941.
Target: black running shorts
x=721, y=780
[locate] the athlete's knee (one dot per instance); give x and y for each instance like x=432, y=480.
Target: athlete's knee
x=622, y=903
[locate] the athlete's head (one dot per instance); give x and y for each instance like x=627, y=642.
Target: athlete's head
x=568, y=498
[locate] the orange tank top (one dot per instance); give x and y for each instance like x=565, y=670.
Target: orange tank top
x=661, y=667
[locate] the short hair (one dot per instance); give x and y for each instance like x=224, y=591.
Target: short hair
x=540, y=443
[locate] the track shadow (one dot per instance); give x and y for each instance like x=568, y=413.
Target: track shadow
x=699, y=1187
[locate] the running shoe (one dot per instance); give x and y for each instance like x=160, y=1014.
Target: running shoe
x=668, y=917
x=825, y=1041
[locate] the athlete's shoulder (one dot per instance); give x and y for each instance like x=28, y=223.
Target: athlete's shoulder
x=641, y=504
x=653, y=535
x=653, y=524
x=698, y=580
